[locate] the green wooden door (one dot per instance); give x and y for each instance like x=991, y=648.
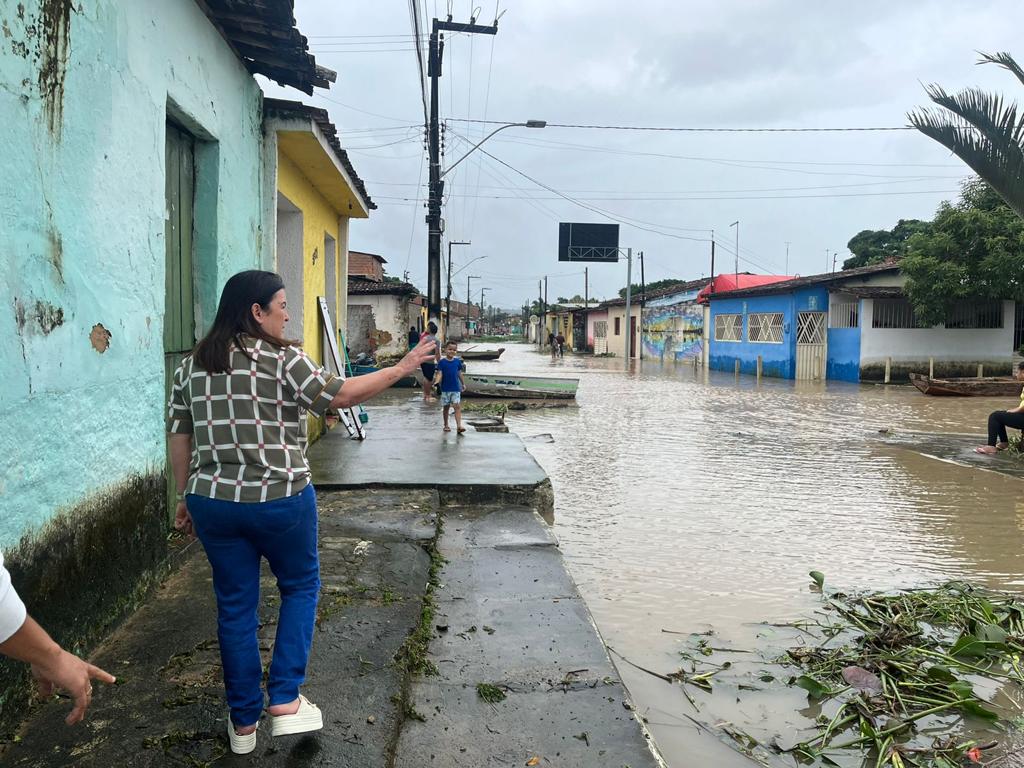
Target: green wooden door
x=179, y=313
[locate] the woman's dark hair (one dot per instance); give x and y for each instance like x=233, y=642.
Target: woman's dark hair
x=432, y=326
x=1020, y=366
x=234, y=319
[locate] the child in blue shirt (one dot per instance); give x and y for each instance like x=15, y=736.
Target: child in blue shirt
x=449, y=374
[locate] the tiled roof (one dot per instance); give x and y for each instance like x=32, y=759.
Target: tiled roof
x=802, y=282
x=323, y=121
x=264, y=36
x=371, y=287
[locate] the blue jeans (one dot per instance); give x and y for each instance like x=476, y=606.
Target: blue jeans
x=235, y=537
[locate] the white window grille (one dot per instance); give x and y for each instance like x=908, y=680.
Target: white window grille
x=981, y=314
x=600, y=337
x=893, y=313
x=765, y=327
x=728, y=327
x=810, y=328
x=844, y=314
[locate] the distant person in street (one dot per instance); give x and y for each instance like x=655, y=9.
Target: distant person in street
x=237, y=434
x=998, y=421
x=449, y=375
x=428, y=368
x=414, y=336
x=560, y=341
x=552, y=342
x=53, y=668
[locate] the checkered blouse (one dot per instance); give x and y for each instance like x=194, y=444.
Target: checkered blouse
x=249, y=426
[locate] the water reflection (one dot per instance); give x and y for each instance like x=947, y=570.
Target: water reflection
x=685, y=499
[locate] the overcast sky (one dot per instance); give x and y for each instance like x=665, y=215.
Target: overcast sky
x=720, y=64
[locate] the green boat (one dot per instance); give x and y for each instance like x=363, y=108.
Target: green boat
x=520, y=387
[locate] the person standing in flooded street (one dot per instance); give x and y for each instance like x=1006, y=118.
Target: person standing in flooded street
x=998, y=421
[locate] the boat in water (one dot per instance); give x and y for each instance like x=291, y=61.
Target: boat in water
x=361, y=369
x=520, y=387
x=472, y=353
x=970, y=386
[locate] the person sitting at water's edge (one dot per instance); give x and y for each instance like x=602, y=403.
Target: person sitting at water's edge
x=998, y=421
x=449, y=374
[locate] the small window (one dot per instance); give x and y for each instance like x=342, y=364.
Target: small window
x=728, y=327
x=765, y=327
x=844, y=314
x=618, y=327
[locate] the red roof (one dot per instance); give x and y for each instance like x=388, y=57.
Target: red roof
x=733, y=282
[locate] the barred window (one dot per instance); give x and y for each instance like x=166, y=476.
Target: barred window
x=894, y=313
x=980, y=314
x=728, y=327
x=765, y=327
x=844, y=314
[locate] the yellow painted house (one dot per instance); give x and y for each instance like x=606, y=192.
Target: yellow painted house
x=311, y=192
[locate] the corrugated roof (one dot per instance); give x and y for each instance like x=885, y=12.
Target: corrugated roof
x=323, y=121
x=796, y=283
x=264, y=36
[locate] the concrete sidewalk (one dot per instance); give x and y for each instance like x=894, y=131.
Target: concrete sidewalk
x=449, y=631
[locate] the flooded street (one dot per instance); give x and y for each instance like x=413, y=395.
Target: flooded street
x=687, y=502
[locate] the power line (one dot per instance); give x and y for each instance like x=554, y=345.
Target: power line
x=559, y=196
x=695, y=129
x=357, y=109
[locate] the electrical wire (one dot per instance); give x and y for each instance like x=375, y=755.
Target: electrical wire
x=319, y=95
x=694, y=129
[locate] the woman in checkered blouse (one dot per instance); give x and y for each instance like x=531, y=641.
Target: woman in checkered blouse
x=237, y=424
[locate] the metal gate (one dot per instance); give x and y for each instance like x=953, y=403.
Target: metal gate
x=810, y=345
x=601, y=337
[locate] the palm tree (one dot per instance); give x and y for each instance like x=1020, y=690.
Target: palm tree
x=983, y=130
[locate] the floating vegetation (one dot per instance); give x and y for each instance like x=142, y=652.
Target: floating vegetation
x=929, y=678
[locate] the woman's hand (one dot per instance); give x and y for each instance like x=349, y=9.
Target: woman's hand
x=183, y=520
x=424, y=352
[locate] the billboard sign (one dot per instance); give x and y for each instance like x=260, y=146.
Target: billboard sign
x=588, y=242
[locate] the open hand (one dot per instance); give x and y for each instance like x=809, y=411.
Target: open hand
x=183, y=520
x=424, y=352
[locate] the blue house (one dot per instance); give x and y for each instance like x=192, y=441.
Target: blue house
x=855, y=325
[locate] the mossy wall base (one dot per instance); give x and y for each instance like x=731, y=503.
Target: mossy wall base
x=85, y=571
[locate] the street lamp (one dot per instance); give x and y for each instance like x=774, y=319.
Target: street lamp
x=527, y=124
x=469, y=300
x=448, y=295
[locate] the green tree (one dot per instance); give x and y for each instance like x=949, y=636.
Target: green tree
x=982, y=130
x=974, y=249
x=873, y=246
x=651, y=287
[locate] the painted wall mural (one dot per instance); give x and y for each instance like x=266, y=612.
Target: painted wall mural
x=674, y=331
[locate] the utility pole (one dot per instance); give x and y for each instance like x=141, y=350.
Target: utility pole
x=436, y=187
x=545, y=313
x=712, y=284
x=787, y=257
x=737, y=272
x=643, y=303
x=540, y=306
x=629, y=293
x=586, y=288
x=448, y=294
x=835, y=255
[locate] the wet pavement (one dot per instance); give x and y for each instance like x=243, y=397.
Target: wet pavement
x=688, y=502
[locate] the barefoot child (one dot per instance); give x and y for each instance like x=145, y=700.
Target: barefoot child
x=449, y=373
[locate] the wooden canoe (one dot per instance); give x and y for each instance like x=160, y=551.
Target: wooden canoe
x=521, y=387
x=987, y=386
x=406, y=382
x=481, y=354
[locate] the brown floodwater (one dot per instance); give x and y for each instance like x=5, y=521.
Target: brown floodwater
x=687, y=502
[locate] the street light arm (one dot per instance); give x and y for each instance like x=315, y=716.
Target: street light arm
x=527, y=124
x=467, y=264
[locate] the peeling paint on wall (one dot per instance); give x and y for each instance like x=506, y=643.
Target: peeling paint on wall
x=41, y=317
x=56, y=21
x=99, y=337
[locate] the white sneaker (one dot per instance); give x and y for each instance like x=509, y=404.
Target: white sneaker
x=307, y=718
x=241, y=745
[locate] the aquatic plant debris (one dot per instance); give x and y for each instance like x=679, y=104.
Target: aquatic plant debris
x=926, y=678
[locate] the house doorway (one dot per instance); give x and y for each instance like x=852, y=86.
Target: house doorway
x=633, y=339
x=179, y=282
x=810, y=346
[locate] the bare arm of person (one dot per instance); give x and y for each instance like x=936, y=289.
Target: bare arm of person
x=180, y=448
x=361, y=388
x=53, y=667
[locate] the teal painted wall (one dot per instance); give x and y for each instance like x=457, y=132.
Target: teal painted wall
x=85, y=89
